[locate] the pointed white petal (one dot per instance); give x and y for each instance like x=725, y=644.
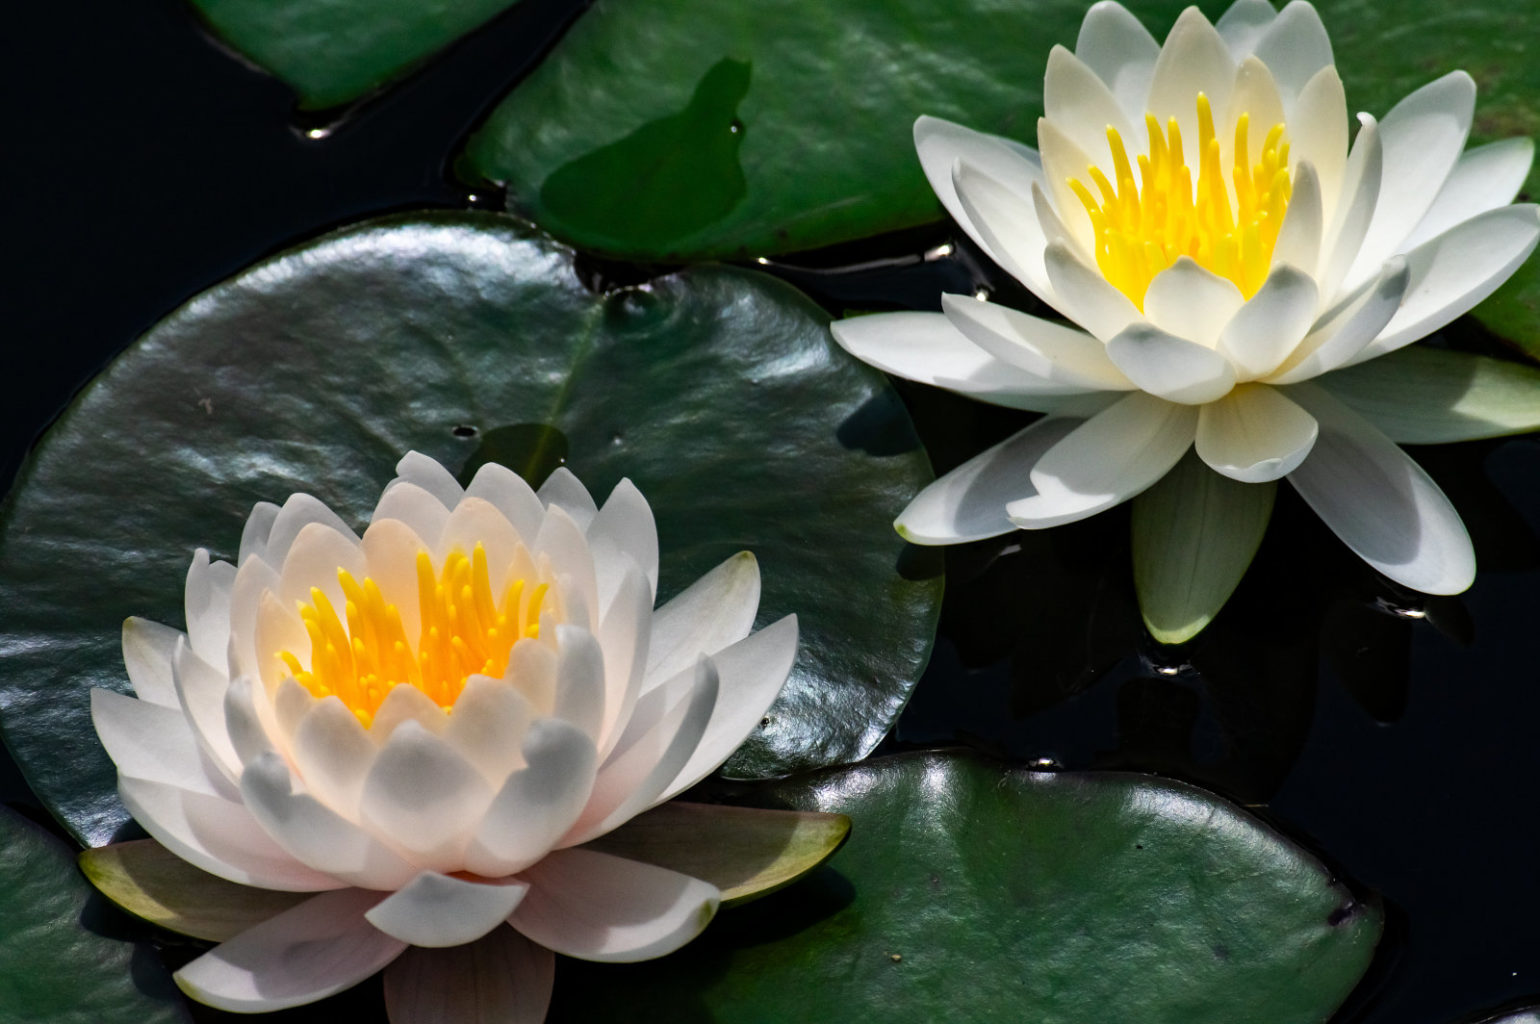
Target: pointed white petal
x=148, y=741
x=312, y=563
x=1424, y=395
x=425, y=472
x=501, y=978
x=1318, y=135
x=1343, y=332
x=1048, y=350
x=254, y=535
x=1353, y=213
x=511, y=496
x=248, y=719
x=317, y=949
x=333, y=754
x=1380, y=503
x=207, y=606
x=1299, y=240
x=148, y=648
x=477, y=521
x=1485, y=178
x=561, y=540
x=1254, y=434
x=298, y=512
x=1295, y=47
x=1242, y=25
x=1108, y=459
x=594, y=906
x=200, y=689
x=1256, y=96
x=390, y=550
x=1077, y=101
x=1063, y=160
x=487, y=726
x=1085, y=296
x=580, y=681
x=538, y=803
x=1193, y=59
x=969, y=502
x=424, y=798
x=713, y=612
x=1173, y=368
x=1006, y=223
x=435, y=910
x=406, y=703
x=1191, y=302
x=1271, y=324
x=563, y=490
x=1114, y=44
x=623, y=638
x=623, y=527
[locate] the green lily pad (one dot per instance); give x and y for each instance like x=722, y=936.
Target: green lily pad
x=719, y=392
x=72, y=974
x=333, y=51
x=972, y=892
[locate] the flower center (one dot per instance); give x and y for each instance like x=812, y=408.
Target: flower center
x=465, y=631
x=1142, y=227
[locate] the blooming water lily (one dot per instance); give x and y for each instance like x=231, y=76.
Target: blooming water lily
x=1224, y=256
x=428, y=728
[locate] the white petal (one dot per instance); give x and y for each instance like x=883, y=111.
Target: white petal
x=1114, y=44
x=248, y=719
x=565, y=491
x=624, y=526
x=969, y=502
x=925, y=347
x=1354, y=211
x=1193, y=59
x=1077, y=101
x=532, y=671
x=623, y=637
x=1006, y=224
x=201, y=690
x=1048, y=350
x=1064, y=160
x=750, y=674
x=580, y=680
x=594, y=906
x=425, y=472
x=207, y=606
x=561, y=540
x=390, y=550
x=716, y=610
x=1254, y=434
x=1299, y=240
x=419, y=509
x=538, y=803
x=1173, y=368
x=1086, y=297
x=254, y=535
x=1256, y=96
x=149, y=741
x=1456, y=270
x=501, y=978
x=424, y=798
x=1380, y=503
x=314, y=834
x=1422, y=138
x=1343, y=332
x=487, y=726
x=477, y=521
x=1295, y=47
x=317, y=949
x=297, y=513
x=333, y=754
x=435, y=910
x=1191, y=302
x=1485, y=178
x=406, y=703
x=312, y=562
x=1318, y=135
x=509, y=493
x=218, y=835
x=941, y=144
x=1242, y=25
x=1271, y=324
x=253, y=579
x=148, y=648
x=642, y=766
x=1108, y=459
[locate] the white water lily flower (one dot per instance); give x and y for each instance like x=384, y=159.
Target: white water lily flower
x=1195, y=210
x=423, y=726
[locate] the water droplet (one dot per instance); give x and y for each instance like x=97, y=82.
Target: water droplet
x=736, y=126
x=317, y=134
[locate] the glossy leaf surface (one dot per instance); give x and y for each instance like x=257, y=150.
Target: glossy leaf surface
x=718, y=392
x=970, y=891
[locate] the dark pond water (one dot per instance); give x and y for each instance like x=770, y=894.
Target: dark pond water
x=1393, y=734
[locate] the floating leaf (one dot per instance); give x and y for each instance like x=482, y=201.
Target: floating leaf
x=58, y=967
x=718, y=392
x=971, y=892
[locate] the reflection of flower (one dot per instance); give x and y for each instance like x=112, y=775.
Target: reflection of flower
x=423, y=725
x=1196, y=211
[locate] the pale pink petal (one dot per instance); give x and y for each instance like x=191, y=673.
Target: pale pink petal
x=623, y=527
x=148, y=648
x=151, y=742
x=200, y=689
x=624, y=636
x=538, y=803
x=562, y=489
x=437, y=910
x=424, y=798
x=511, y=495
x=716, y=610
x=425, y=472
x=487, y=726
x=207, y=606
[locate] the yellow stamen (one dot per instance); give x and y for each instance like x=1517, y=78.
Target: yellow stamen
x=363, y=654
x=1144, y=222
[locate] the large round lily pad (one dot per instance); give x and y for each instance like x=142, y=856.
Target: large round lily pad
x=58, y=967
x=973, y=892
x=718, y=392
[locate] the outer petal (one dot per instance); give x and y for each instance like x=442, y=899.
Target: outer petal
x=597, y=907
x=623, y=532
x=562, y=540
x=1318, y=126
x=148, y=741
x=1106, y=460
x=1173, y=368
x=624, y=635
x=1272, y=324
x=1254, y=434
x=437, y=910
x=1344, y=331
x=563, y=490
x=580, y=682
x=200, y=688
x=1049, y=350
x=1114, y=44
x=969, y=502
x=317, y=949
x=207, y=606
x=925, y=347
x=501, y=978
x=1295, y=47
x=425, y=472
x=1007, y=224
x=254, y=535
x=514, y=498
x=1380, y=503
x=1354, y=212
x=1242, y=25
x=1485, y=178
x=148, y=648
x=419, y=509
x=298, y=512
x=713, y=612
x=1456, y=270
x=538, y=803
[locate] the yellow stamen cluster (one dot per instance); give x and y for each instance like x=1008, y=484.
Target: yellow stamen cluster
x=464, y=632
x=1142, y=227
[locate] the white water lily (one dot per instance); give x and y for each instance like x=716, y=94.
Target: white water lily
x=1196, y=211
x=424, y=726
